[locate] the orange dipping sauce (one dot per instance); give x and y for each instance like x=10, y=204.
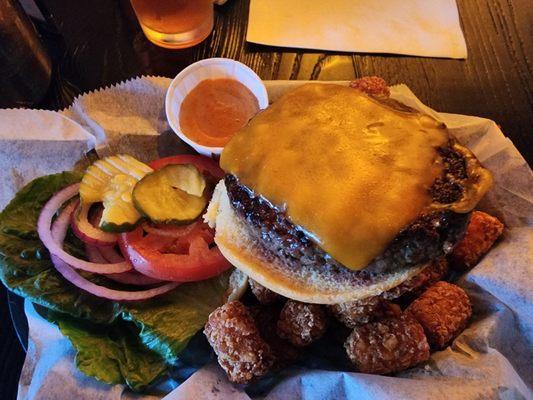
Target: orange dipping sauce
x=215, y=110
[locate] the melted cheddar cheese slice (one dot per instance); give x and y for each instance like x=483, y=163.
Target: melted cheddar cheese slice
x=349, y=170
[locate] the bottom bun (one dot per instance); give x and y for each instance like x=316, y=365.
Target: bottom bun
x=308, y=284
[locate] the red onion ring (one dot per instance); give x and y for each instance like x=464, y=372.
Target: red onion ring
x=44, y=230
x=134, y=278
x=94, y=255
x=129, y=278
x=58, y=233
x=60, y=225
x=88, y=232
x=110, y=254
x=118, y=295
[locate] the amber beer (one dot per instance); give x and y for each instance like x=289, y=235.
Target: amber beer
x=175, y=24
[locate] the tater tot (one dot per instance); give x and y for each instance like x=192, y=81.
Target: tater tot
x=443, y=311
x=481, y=233
x=413, y=287
x=359, y=312
x=235, y=338
x=372, y=85
x=266, y=318
x=386, y=346
x=302, y=323
x=263, y=294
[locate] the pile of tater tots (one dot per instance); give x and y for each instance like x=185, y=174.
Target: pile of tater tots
x=261, y=331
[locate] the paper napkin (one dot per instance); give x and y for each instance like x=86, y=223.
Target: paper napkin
x=427, y=28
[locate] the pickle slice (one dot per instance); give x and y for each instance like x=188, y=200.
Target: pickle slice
x=119, y=213
x=98, y=176
x=111, y=181
x=172, y=194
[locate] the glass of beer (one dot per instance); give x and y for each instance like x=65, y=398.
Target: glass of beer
x=175, y=24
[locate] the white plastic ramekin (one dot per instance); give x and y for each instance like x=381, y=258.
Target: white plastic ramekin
x=211, y=68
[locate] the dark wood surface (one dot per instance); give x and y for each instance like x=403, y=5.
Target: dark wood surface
x=98, y=43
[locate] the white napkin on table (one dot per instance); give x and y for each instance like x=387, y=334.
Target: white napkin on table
x=428, y=28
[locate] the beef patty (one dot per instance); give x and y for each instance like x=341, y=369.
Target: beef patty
x=430, y=236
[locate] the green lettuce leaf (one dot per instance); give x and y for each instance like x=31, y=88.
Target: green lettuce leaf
x=115, y=342
x=168, y=322
x=25, y=266
x=112, y=353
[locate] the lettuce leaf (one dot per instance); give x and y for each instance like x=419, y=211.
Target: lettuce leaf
x=25, y=266
x=168, y=322
x=112, y=353
x=115, y=342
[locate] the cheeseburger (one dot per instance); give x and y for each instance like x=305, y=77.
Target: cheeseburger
x=335, y=194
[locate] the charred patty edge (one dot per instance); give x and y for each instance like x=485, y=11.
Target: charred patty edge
x=430, y=236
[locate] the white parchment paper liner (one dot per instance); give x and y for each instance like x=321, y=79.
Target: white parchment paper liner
x=124, y=118
x=34, y=143
x=491, y=359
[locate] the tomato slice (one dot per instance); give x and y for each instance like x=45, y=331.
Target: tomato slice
x=181, y=258
x=204, y=164
x=176, y=253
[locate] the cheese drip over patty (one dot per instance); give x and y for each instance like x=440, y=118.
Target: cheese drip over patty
x=350, y=171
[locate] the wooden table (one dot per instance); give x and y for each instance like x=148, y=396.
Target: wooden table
x=98, y=43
